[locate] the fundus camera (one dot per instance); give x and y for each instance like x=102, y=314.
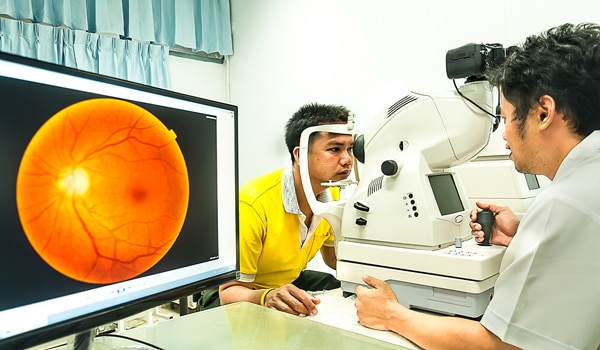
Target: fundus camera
x=471, y=60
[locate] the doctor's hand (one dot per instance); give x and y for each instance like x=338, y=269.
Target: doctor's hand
x=504, y=227
x=377, y=307
x=292, y=300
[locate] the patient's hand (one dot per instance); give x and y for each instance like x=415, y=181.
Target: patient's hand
x=292, y=300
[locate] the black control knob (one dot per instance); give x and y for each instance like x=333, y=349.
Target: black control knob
x=486, y=219
x=389, y=167
x=361, y=206
x=361, y=221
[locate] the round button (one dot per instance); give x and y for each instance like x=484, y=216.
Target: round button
x=389, y=167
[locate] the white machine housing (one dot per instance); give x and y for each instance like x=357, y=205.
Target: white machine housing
x=407, y=221
x=494, y=179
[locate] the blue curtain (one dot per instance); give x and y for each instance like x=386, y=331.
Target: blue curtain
x=201, y=25
x=126, y=59
x=128, y=39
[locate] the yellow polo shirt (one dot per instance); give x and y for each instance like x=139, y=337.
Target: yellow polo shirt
x=271, y=249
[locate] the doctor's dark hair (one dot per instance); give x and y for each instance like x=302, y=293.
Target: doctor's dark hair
x=562, y=62
x=312, y=114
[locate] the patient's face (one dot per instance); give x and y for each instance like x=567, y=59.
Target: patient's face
x=330, y=158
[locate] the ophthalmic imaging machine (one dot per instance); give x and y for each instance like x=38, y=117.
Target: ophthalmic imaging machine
x=407, y=218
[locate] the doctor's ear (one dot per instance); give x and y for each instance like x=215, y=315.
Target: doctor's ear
x=547, y=107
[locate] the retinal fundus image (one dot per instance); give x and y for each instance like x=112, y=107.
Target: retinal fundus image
x=102, y=191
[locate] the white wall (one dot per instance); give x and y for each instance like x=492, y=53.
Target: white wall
x=197, y=78
x=359, y=53
x=355, y=52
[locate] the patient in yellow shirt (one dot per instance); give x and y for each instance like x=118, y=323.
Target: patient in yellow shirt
x=279, y=234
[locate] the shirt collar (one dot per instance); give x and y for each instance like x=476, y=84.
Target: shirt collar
x=290, y=201
x=582, y=150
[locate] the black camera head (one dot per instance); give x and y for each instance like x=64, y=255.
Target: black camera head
x=471, y=60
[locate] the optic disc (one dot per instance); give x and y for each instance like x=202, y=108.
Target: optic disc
x=74, y=181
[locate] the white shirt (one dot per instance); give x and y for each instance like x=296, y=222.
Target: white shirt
x=547, y=295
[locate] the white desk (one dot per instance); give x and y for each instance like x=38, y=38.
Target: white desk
x=339, y=312
x=244, y=326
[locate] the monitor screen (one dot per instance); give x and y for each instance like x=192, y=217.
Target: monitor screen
x=115, y=197
x=446, y=194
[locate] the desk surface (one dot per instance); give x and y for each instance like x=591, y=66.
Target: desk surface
x=249, y=326
x=337, y=311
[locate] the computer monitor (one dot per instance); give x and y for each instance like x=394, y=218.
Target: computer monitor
x=115, y=197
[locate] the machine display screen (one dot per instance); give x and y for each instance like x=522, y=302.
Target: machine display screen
x=446, y=194
x=532, y=182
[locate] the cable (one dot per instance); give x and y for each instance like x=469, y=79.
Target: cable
x=495, y=117
x=129, y=338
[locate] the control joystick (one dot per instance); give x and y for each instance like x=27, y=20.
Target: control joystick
x=486, y=219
